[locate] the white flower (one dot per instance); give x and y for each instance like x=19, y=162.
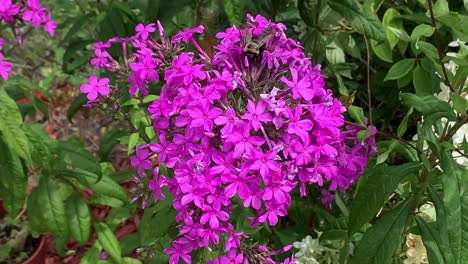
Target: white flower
x=416, y=252
x=311, y=252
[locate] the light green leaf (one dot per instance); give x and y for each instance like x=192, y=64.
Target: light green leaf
x=132, y=142
x=79, y=219
x=128, y=260
x=421, y=81
x=400, y=69
x=357, y=114
x=92, y=254
x=459, y=102
x=422, y=30
x=375, y=186
x=440, y=8
x=363, y=23
x=13, y=180
x=108, y=241
x=427, y=48
x=391, y=19
x=10, y=126
x=400, y=33
x=382, y=50
x=380, y=242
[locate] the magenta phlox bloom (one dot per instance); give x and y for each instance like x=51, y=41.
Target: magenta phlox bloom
x=186, y=34
x=35, y=13
x=95, y=87
x=300, y=88
x=141, y=159
x=143, y=31
x=256, y=114
x=8, y=10
x=179, y=251
x=233, y=126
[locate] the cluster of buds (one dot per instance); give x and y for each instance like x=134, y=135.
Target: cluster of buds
x=255, y=121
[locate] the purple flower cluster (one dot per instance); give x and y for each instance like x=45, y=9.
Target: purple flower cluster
x=31, y=12
x=248, y=124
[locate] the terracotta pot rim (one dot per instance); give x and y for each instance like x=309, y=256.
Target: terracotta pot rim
x=39, y=253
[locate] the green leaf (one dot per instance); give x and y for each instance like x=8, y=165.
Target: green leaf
x=307, y=10
x=108, y=142
x=357, y=114
x=427, y=48
x=76, y=156
x=13, y=180
x=429, y=105
x=400, y=33
x=10, y=126
x=92, y=254
x=380, y=242
x=455, y=183
x=161, y=215
x=422, y=30
x=79, y=218
x=400, y=69
x=421, y=81
x=431, y=240
x=440, y=8
x=363, y=23
x=404, y=123
x=106, y=186
x=375, y=186
x=441, y=222
x=128, y=260
x=108, y=241
x=76, y=105
x=42, y=146
x=52, y=206
x=391, y=19
x=459, y=102
x=382, y=50
x=234, y=10
x=132, y=142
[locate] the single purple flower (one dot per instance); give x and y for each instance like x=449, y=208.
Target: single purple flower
x=265, y=162
x=141, y=160
x=213, y=216
x=178, y=251
x=96, y=87
x=256, y=114
x=203, y=116
x=300, y=88
x=143, y=31
x=8, y=10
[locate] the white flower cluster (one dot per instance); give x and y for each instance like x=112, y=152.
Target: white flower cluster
x=311, y=252
x=444, y=95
